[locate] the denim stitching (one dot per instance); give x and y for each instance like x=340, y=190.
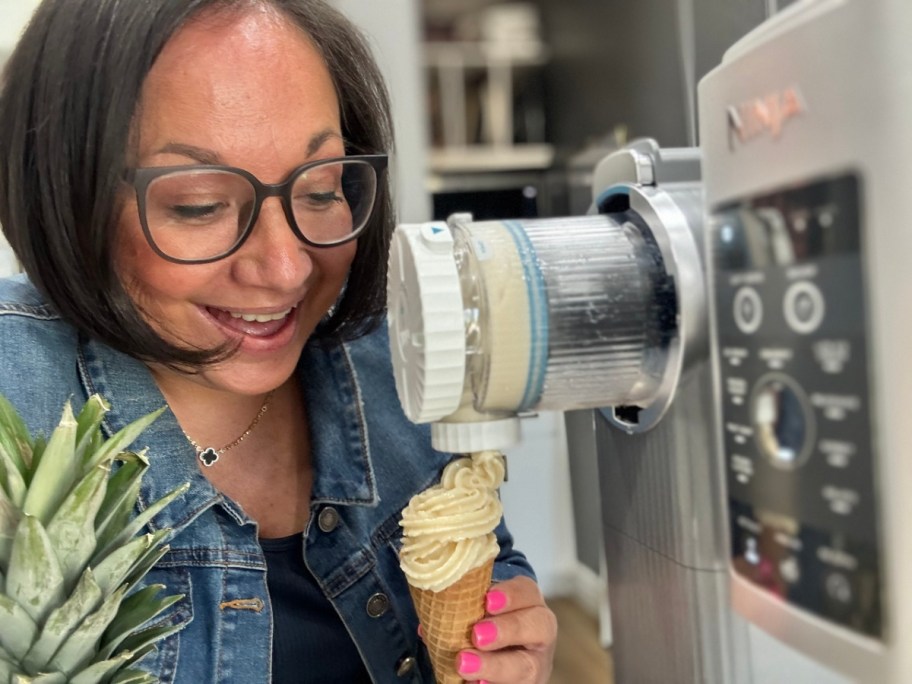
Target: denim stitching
x=41, y=312
x=361, y=420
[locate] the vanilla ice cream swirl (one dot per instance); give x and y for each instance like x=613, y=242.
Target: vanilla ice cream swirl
x=448, y=529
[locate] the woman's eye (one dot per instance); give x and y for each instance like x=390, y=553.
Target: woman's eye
x=320, y=199
x=196, y=212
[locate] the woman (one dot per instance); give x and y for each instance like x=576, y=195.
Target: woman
x=196, y=191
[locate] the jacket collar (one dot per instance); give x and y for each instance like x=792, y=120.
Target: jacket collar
x=343, y=473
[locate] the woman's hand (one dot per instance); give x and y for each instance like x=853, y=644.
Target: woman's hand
x=515, y=642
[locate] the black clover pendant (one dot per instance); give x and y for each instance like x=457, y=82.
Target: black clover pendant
x=208, y=457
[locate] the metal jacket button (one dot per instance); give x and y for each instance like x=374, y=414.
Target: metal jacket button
x=377, y=605
x=405, y=665
x=329, y=519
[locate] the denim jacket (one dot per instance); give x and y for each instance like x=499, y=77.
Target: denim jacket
x=368, y=461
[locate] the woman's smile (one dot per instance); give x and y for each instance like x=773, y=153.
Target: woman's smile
x=270, y=326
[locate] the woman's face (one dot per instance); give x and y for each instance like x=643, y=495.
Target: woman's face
x=246, y=90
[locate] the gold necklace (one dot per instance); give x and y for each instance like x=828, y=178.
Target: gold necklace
x=208, y=456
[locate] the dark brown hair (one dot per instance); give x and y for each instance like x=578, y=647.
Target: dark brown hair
x=68, y=100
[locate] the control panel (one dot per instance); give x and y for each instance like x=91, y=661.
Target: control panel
x=799, y=456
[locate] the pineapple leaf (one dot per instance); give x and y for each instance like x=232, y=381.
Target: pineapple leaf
x=81, y=646
x=55, y=472
x=123, y=490
x=151, y=635
x=14, y=435
x=123, y=439
x=133, y=677
x=7, y=666
x=38, y=447
x=72, y=529
x=19, y=630
x=88, y=423
x=44, y=678
x=100, y=671
x=34, y=578
x=66, y=520
x=140, y=521
x=136, y=610
x=139, y=654
x=63, y=621
x=13, y=481
x=9, y=521
x=149, y=558
x=113, y=570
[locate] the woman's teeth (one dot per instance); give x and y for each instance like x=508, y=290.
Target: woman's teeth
x=261, y=318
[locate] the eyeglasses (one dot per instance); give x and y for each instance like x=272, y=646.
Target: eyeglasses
x=199, y=214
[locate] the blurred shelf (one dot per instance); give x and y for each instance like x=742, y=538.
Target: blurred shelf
x=482, y=55
x=478, y=95
x=475, y=158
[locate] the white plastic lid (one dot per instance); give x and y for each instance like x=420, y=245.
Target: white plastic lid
x=426, y=321
x=484, y=435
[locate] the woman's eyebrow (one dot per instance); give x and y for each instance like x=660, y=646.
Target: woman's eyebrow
x=317, y=141
x=202, y=155
x=205, y=156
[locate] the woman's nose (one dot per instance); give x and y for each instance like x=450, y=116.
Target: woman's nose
x=273, y=256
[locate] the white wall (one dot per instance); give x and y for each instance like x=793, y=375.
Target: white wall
x=536, y=501
x=14, y=15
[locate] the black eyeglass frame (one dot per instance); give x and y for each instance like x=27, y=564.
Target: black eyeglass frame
x=141, y=178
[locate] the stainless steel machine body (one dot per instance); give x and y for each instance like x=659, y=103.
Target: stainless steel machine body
x=665, y=542
x=806, y=140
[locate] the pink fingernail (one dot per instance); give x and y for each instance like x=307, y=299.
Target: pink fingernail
x=495, y=601
x=484, y=633
x=468, y=663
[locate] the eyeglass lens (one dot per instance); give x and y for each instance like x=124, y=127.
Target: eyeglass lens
x=201, y=213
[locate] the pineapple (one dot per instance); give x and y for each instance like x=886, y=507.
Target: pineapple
x=70, y=552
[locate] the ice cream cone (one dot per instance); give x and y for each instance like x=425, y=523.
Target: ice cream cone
x=447, y=618
x=448, y=552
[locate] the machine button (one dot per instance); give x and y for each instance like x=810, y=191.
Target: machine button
x=329, y=519
x=789, y=570
x=751, y=553
x=832, y=355
x=748, y=310
x=405, y=665
x=839, y=588
x=783, y=424
x=804, y=307
x=377, y=605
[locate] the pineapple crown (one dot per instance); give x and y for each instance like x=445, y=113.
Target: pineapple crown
x=72, y=552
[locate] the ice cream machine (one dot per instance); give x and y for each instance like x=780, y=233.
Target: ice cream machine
x=737, y=314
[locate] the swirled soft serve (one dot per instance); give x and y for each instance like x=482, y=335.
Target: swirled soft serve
x=448, y=529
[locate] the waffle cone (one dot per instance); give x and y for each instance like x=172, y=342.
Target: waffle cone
x=447, y=618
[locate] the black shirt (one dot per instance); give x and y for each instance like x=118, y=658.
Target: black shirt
x=310, y=642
